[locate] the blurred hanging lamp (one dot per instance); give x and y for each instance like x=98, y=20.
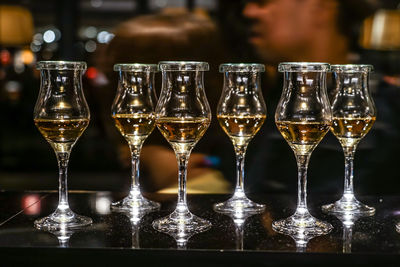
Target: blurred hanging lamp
x=381, y=31
x=16, y=26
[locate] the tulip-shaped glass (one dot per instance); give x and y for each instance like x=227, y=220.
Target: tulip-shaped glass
x=182, y=116
x=241, y=112
x=303, y=117
x=61, y=114
x=354, y=114
x=133, y=113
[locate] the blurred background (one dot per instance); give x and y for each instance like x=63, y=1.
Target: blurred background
x=104, y=32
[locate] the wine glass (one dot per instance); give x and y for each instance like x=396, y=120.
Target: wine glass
x=241, y=112
x=182, y=116
x=303, y=117
x=133, y=113
x=354, y=114
x=61, y=114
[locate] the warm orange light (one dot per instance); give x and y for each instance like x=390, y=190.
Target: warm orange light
x=16, y=26
x=382, y=31
x=27, y=57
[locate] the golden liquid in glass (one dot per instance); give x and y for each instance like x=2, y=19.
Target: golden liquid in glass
x=241, y=128
x=182, y=133
x=61, y=134
x=135, y=127
x=303, y=137
x=350, y=131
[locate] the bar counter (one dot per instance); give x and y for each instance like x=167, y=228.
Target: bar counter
x=117, y=238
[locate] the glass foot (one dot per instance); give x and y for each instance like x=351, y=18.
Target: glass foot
x=306, y=225
x=239, y=203
x=62, y=220
x=181, y=225
x=135, y=201
x=348, y=205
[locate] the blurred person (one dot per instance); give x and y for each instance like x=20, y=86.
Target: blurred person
x=321, y=31
x=174, y=34
x=305, y=30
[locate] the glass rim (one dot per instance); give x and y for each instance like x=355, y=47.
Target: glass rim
x=61, y=65
x=352, y=68
x=183, y=66
x=242, y=67
x=303, y=67
x=135, y=67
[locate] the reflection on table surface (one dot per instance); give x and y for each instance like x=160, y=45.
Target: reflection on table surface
x=369, y=235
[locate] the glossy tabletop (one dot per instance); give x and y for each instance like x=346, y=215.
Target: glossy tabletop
x=122, y=238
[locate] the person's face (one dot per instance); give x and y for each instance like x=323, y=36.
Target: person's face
x=280, y=27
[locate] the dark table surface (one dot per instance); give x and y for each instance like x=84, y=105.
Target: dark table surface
x=114, y=238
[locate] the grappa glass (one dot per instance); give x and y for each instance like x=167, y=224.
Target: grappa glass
x=241, y=112
x=182, y=116
x=303, y=117
x=61, y=114
x=354, y=114
x=133, y=114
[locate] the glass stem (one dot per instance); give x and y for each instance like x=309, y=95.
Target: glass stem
x=63, y=158
x=348, y=172
x=183, y=159
x=135, y=155
x=302, y=165
x=240, y=151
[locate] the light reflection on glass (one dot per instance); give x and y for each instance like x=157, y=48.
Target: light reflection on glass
x=301, y=238
x=304, y=106
x=239, y=217
x=182, y=236
x=348, y=220
x=63, y=235
x=135, y=216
